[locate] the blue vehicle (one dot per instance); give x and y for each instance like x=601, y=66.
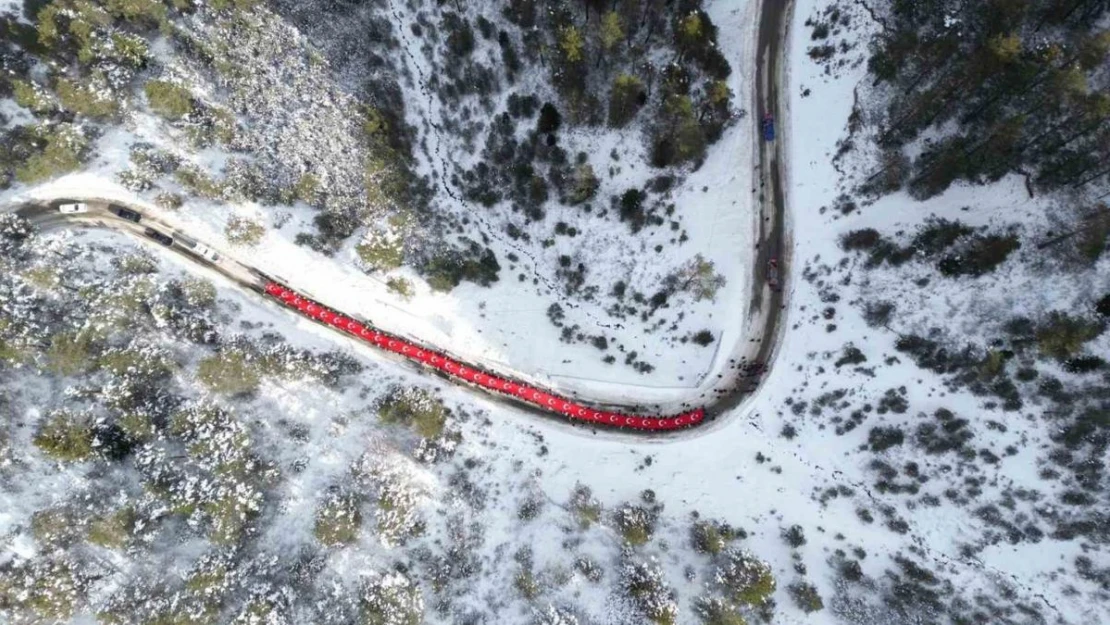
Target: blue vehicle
x=768, y=127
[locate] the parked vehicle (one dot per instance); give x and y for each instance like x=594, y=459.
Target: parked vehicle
x=773, y=274
x=198, y=248
x=768, y=127
x=164, y=239
x=125, y=213
x=73, y=207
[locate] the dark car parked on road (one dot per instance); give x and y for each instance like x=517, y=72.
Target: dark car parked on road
x=164, y=239
x=768, y=127
x=125, y=213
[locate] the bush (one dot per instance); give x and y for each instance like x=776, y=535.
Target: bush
x=883, y=438
x=86, y=101
x=40, y=590
x=586, y=508
x=31, y=96
x=980, y=256
x=198, y=292
x=632, y=208
x=850, y=356
x=794, y=536
x=401, y=286
x=938, y=235
x=584, y=184
x=229, y=372
x=338, y=520
x=447, y=270
x=644, y=583
x=168, y=100
x=69, y=354
x=1061, y=335
x=392, y=600
x=65, y=436
x=414, y=407
x=805, y=596
x=525, y=584
x=863, y=239
x=710, y=537
x=63, y=152
x=714, y=611
x=703, y=338
x=746, y=579
x=112, y=531
x=54, y=527
x=199, y=183
x=635, y=523
x=381, y=254
x=242, y=231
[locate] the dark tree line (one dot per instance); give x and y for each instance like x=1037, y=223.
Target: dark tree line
x=1014, y=86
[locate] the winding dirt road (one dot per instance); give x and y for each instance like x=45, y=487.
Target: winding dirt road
x=766, y=304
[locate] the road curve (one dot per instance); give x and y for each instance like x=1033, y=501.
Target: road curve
x=766, y=303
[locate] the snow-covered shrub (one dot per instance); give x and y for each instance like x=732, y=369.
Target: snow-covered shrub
x=392, y=599
x=530, y=508
x=168, y=99
x=56, y=527
x=65, y=147
x=794, y=536
x=711, y=537
x=397, y=517
x=231, y=505
x=94, y=99
x=218, y=441
x=526, y=584
x=636, y=523
x=716, y=611
x=265, y=609
x=399, y=494
x=805, y=596
x=588, y=568
x=65, y=435
x=744, y=578
x=43, y=590
x=416, y=407
x=401, y=286
x=586, y=508
x=14, y=232
x=243, y=231
x=112, y=530
x=338, y=519
x=230, y=372
x=552, y=615
x=380, y=251
x=649, y=592
x=69, y=353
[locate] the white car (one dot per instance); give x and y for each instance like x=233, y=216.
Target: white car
x=206, y=253
x=198, y=248
x=73, y=207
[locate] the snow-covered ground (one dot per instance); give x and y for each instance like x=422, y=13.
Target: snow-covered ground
x=506, y=326
x=744, y=471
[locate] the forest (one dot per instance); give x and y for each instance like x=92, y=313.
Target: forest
x=990, y=88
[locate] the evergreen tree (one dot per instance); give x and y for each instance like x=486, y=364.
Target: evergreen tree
x=625, y=99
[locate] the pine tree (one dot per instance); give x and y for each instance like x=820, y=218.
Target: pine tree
x=625, y=99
